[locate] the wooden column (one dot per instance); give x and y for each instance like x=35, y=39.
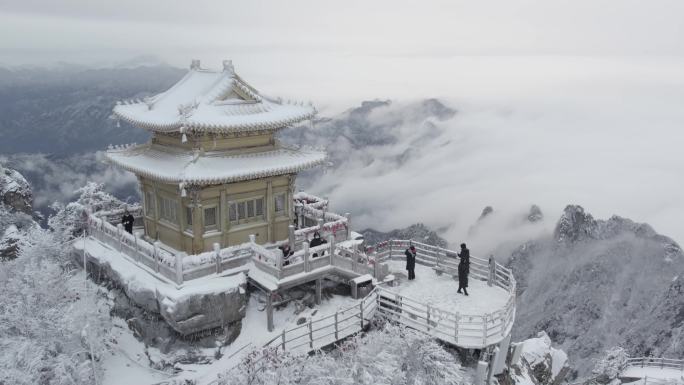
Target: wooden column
x=270, y=211
x=223, y=218
x=197, y=225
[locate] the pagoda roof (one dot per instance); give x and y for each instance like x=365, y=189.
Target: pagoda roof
x=212, y=101
x=171, y=166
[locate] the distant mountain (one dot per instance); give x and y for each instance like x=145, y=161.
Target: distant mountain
x=595, y=284
x=417, y=232
x=66, y=110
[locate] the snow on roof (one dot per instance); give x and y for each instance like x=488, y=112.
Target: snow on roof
x=164, y=164
x=212, y=101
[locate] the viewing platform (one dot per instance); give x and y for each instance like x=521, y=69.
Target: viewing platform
x=652, y=370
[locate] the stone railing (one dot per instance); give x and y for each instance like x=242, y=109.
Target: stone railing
x=446, y=261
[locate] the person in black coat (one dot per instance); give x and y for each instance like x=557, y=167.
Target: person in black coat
x=411, y=262
x=317, y=241
x=463, y=269
x=127, y=221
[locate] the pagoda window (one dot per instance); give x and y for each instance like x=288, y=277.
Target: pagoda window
x=168, y=210
x=149, y=203
x=245, y=211
x=210, y=215
x=279, y=203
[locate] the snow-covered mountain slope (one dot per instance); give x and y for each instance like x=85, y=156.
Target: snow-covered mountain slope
x=65, y=111
x=594, y=284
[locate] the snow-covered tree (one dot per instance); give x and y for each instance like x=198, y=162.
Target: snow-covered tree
x=69, y=220
x=50, y=326
x=392, y=355
x=607, y=368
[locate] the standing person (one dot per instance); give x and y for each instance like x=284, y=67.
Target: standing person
x=463, y=269
x=127, y=221
x=317, y=241
x=411, y=262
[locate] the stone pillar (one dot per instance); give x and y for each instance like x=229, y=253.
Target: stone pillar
x=291, y=236
x=492, y=271
x=319, y=285
x=306, y=256
x=517, y=353
x=349, y=230
x=217, y=255
x=500, y=358
x=269, y=311
x=480, y=373
x=179, y=267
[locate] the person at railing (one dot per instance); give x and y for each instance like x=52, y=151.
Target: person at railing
x=463, y=269
x=287, y=252
x=127, y=221
x=317, y=241
x=411, y=262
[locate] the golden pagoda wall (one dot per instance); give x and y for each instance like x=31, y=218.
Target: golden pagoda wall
x=240, y=142
x=192, y=236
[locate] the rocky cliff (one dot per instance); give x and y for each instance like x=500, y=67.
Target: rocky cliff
x=598, y=283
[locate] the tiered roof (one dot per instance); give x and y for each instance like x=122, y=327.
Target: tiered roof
x=170, y=166
x=212, y=101
x=216, y=102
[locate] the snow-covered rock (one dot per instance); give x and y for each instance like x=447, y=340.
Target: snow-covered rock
x=15, y=191
x=596, y=283
x=539, y=363
x=535, y=214
x=198, y=305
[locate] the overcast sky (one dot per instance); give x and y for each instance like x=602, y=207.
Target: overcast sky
x=93, y=31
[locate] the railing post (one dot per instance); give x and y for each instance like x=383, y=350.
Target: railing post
x=119, y=234
x=279, y=259
x=217, y=255
x=336, y=327
x=155, y=249
x=283, y=339
x=348, y=226
x=428, y=318
x=320, y=222
x=456, y=320
x=136, y=235
x=306, y=256
x=361, y=313
x=291, y=237
x=310, y=334
x=331, y=242
x=484, y=330
x=179, y=268
x=492, y=271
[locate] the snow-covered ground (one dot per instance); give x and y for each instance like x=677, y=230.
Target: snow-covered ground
x=653, y=373
x=441, y=291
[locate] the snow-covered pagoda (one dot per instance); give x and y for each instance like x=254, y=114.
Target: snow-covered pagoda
x=213, y=171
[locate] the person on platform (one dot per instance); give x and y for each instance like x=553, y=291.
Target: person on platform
x=317, y=241
x=411, y=262
x=127, y=221
x=463, y=269
x=287, y=252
